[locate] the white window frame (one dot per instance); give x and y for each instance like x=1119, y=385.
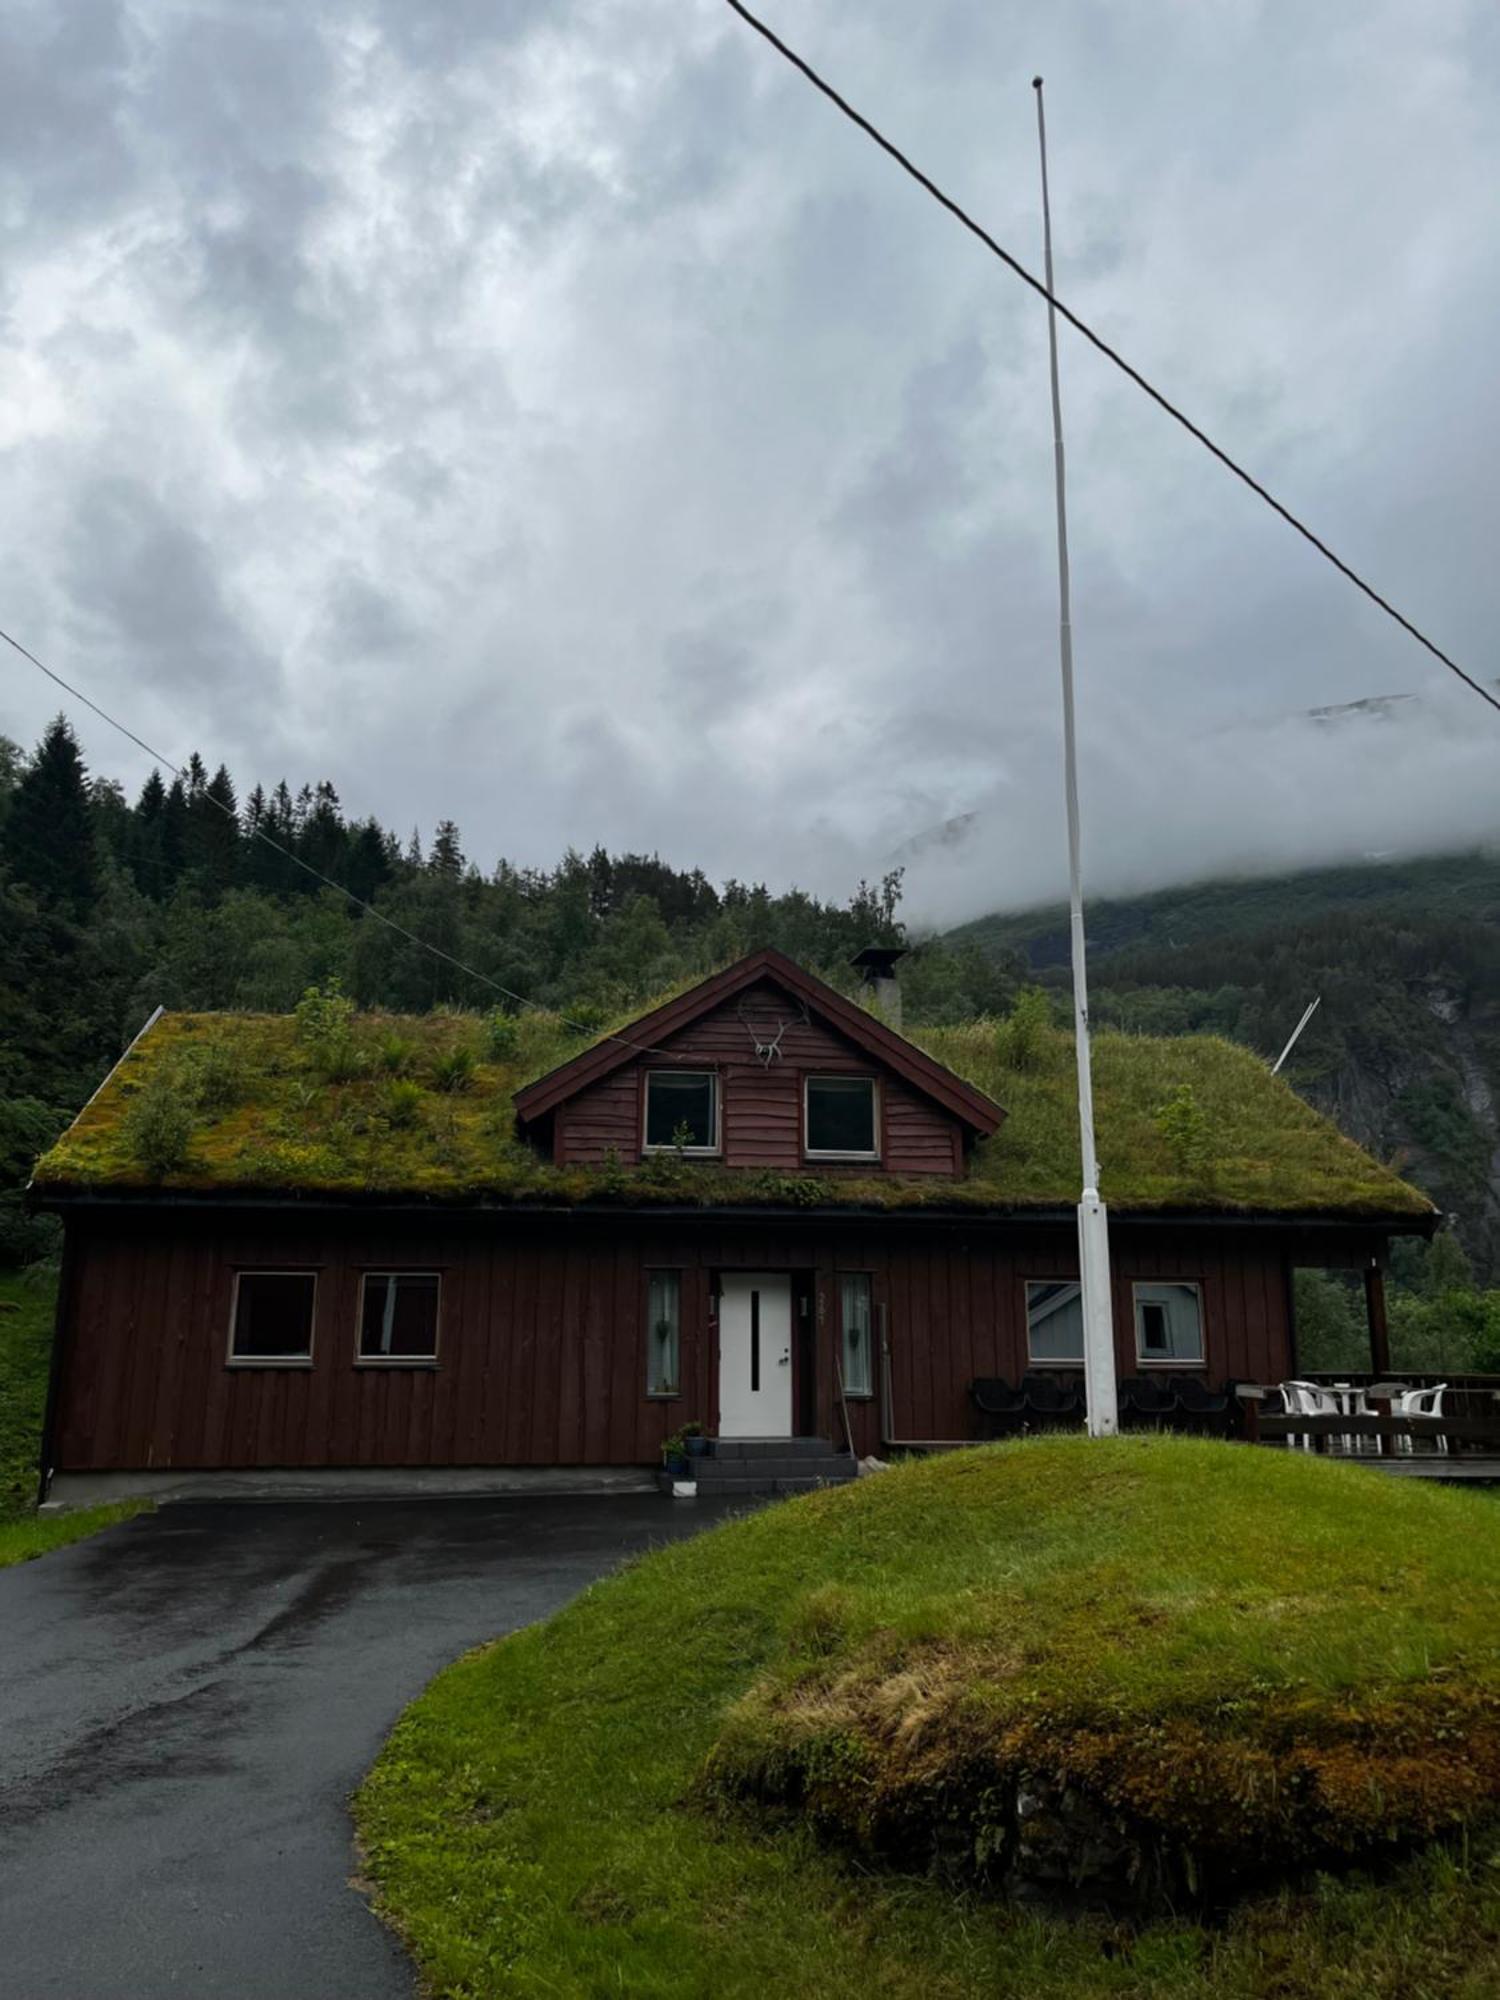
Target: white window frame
x=666, y=1146
x=868, y=1279
x=811, y=1152
x=234, y=1360
x=1048, y=1360
x=362, y=1360
x=1179, y=1361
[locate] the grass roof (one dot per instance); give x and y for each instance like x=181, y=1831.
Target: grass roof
x=393, y=1107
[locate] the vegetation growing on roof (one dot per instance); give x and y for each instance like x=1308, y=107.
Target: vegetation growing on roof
x=882, y=1648
x=335, y=1102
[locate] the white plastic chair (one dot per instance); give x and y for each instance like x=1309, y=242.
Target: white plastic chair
x=1306, y=1399
x=1424, y=1403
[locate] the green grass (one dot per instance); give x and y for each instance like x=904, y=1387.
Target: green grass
x=24, y=1540
x=281, y=1117
x=26, y=1312
x=27, y=1306
x=549, y=1818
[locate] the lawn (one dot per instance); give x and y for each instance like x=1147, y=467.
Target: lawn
x=27, y=1306
x=687, y=1782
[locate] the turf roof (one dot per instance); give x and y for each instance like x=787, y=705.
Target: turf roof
x=420, y=1108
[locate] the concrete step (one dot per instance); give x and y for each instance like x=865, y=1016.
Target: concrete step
x=772, y=1447
x=742, y=1484
x=714, y=1471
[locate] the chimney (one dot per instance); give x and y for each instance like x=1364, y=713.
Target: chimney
x=877, y=968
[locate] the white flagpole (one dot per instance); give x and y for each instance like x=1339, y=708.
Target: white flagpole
x=1100, y=1394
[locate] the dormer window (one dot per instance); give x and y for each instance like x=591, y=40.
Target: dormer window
x=682, y=1110
x=839, y=1117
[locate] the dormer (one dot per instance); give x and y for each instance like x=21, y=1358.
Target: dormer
x=759, y=1066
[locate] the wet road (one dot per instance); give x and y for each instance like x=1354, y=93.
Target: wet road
x=187, y=1701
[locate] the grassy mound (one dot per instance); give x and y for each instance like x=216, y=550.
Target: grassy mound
x=1225, y=1648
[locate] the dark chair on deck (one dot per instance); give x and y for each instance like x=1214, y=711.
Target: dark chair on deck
x=1002, y=1409
x=1050, y=1403
x=1145, y=1403
x=1200, y=1408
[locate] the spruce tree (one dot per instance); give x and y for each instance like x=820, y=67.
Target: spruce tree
x=49, y=829
x=447, y=857
x=215, y=828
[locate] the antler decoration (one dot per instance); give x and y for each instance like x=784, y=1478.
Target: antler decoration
x=767, y=1047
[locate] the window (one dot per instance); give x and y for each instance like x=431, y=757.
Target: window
x=1054, y=1320
x=855, y=1318
x=663, y=1333
x=1169, y=1322
x=682, y=1108
x=273, y=1316
x=398, y=1316
x=841, y=1117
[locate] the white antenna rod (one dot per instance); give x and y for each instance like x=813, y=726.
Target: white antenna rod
x=1100, y=1392
x=1276, y=1066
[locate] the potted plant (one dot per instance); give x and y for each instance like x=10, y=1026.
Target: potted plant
x=694, y=1442
x=674, y=1456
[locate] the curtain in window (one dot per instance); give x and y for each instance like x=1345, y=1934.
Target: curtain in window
x=855, y=1319
x=663, y=1334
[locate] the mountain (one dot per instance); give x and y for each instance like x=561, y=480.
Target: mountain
x=1404, y=1049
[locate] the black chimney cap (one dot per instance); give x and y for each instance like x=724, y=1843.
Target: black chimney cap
x=878, y=961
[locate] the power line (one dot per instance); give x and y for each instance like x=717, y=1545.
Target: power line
x=257, y=833
x=1163, y=402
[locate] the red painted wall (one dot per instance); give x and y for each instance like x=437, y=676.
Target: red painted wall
x=762, y=1104
x=542, y=1353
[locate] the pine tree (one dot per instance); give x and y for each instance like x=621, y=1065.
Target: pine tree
x=49, y=829
x=146, y=862
x=174, y=836
x=216, y=836
x=324, y=839
x=367, y=867
x=447, y=857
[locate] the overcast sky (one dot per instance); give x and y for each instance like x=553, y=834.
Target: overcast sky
x=554, y=416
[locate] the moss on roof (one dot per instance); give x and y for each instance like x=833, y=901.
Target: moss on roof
x=420, y=1108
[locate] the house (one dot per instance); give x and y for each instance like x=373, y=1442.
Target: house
x=463, y=1253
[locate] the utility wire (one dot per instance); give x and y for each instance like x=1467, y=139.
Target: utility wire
x=974, y=228
x=257, y=833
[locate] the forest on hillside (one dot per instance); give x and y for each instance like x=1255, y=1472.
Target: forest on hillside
x=1403, y=957
x=192, y=896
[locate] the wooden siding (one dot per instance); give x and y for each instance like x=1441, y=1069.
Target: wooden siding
x=542, y=1352
x=761, y=1105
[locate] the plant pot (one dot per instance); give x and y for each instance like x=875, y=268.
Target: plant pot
x=676, y=1465
x=699, y=1447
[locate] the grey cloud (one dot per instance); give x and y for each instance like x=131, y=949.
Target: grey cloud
x=573, y=387
x=151, y=585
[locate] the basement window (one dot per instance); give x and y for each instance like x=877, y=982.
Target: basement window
x=1054, y=1321
x=398, y=1317
x=273, y=1316
x=855, y=1316
x=682, y=1109
x=1169, y=1323
x=664, y=1333
x=840, y=1118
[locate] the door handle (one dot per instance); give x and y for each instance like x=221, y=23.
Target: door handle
x=784, y=1359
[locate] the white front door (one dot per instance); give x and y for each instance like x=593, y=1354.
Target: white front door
x=755, y=1355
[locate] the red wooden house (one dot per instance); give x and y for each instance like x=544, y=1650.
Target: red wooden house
x=758, y=1207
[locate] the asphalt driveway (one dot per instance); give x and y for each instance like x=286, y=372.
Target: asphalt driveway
x=187, y=1701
